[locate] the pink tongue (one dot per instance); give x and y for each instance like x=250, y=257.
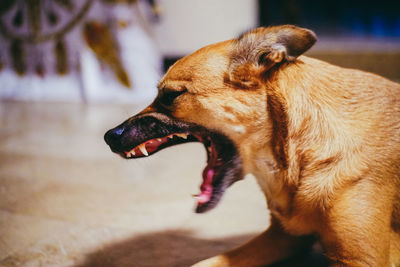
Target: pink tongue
x=206, y=187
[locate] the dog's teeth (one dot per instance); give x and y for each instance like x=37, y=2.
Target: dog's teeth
x=133, y=152
x=170, y=136
x=128, y=154
x=182, y=135
x=142, y=148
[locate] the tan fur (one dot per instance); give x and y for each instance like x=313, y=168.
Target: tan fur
x=322, y=141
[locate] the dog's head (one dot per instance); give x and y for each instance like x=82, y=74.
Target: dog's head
x=217, y=96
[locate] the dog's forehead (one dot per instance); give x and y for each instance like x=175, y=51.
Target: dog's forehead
x=206, y=63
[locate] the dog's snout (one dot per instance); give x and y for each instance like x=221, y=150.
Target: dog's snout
x=113, y=137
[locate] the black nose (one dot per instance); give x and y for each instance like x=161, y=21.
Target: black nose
x=113, y=138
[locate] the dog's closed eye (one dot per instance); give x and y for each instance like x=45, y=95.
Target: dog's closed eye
x=167, y=97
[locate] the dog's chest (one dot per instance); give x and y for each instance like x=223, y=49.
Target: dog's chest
x=283, y=205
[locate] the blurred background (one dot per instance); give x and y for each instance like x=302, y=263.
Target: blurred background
x=72, y=69
x=116, y=50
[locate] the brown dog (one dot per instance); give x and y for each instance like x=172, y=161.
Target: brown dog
x=322, y=141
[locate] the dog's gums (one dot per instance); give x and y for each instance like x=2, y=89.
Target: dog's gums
x=223, y=162
x=152, y=145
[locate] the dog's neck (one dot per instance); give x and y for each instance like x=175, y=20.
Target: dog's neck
x=258, y=160
x=307, y=109
x=276, y=163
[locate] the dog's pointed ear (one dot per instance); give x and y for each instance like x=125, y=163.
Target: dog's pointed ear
x=265, y=47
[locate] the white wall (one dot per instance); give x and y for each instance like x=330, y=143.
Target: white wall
x=187, y=25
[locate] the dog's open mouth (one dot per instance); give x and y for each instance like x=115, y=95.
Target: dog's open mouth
x=223, y=162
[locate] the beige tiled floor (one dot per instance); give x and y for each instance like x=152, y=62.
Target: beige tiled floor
x=66, y=200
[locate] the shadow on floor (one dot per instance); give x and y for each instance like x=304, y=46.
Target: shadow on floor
x=176, y=248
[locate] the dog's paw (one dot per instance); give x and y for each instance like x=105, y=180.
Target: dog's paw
x=217, y=261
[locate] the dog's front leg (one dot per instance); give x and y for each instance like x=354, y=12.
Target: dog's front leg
x=271, y=246
x=357, y=232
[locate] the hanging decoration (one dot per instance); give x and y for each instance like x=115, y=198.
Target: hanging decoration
x=29, y=24
x=98, y=37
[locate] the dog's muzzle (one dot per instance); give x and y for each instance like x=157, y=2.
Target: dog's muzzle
x=146, y=134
